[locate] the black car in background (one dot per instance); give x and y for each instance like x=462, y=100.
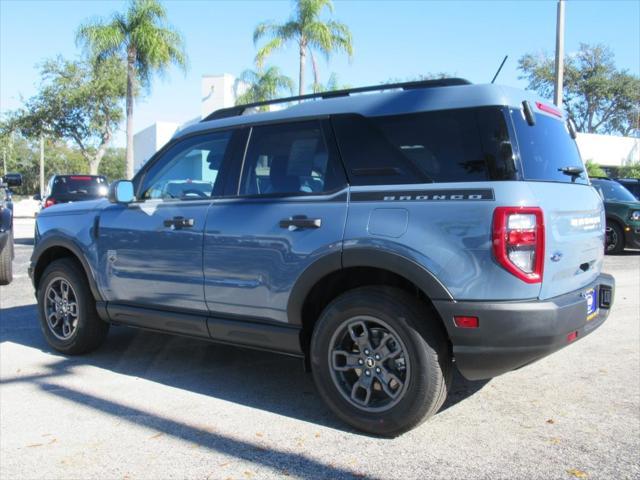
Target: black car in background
x=6, y=226
x=74, y=188
x=631, y=184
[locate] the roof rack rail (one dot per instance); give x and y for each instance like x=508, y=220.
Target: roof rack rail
x=240, y=109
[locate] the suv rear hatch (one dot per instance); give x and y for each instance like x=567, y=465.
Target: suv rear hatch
x=74, y=188
x=573, y=211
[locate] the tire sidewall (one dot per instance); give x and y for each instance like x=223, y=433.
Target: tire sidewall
x=619, y=245
x=68, y=271
x=412, y=406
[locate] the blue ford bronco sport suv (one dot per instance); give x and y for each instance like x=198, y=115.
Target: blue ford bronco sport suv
x=382, y=236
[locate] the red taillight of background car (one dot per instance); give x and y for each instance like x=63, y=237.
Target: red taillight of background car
x=48, y=202
x=518, y=241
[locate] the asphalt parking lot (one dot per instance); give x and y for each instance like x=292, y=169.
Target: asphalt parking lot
x=148, y=405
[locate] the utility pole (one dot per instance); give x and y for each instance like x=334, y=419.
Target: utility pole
x=4, y=160
x=557, y=94
x=41, y=165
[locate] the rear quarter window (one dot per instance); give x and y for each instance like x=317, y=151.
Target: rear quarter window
x=462, y=145
x=546, y=148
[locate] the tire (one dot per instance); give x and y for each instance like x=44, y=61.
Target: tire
x=85, y=331
x=6, y=262
x=412, y=329
x=615, y=238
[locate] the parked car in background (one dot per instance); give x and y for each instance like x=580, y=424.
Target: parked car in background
x=631, y=184
x=380, y=237
x=6, y=226
x=74, y=188
x=623, y=215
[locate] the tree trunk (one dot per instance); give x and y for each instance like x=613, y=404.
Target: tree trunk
x=303, y=61
x=316, y=75
x=131, y=78
x=94, y=163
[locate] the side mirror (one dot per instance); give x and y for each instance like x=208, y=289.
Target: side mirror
x=121, y=191
x=37, y=197
x=13, y=179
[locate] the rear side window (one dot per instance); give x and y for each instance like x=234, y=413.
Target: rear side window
x=80, y=186
x=291, y=159
x=547, y=148
x=463, y=145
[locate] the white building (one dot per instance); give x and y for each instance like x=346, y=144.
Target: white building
x=218, y=91
x=608, y=150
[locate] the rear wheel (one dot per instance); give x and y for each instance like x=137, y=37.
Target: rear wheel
x=6, y=264
x=68, y=316
x=380, y=360
x=615, y=238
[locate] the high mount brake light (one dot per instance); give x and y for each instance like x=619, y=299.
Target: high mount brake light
x=518, y=241
x=546, y=108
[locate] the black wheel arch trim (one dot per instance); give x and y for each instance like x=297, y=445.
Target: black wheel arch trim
x=63, y=242
x=362, y=257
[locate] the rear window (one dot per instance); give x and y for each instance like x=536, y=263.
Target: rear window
x=546, y=148
x=463, y=145
x=84, y=186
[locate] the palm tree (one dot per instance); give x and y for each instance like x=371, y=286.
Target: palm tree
x=263, y=86
x=142, y=38
x=309, y=32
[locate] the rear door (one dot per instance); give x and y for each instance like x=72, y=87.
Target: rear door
x=285, y=209
x=573, y=210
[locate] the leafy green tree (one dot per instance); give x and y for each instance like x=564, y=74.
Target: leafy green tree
x=594, y=170
x=599, y=97
x=309, y=32
x=331, y=85
x=631, y=170
x=113, y=164
x=262, y=86
x=77, y=102
x=142, y=38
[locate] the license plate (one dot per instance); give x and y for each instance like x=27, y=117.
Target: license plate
x=592, y=303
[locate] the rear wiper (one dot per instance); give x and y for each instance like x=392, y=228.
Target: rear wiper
x=574, y=171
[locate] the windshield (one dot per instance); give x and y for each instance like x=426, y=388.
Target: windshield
x=546, y=148
x=612, y=191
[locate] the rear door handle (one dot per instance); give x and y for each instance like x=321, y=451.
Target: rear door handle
x=299, y=222
x=179, y=222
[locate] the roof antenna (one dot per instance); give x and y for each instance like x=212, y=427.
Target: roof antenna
x=499, y=68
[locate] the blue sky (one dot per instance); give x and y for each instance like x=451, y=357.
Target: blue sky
x=392, y=39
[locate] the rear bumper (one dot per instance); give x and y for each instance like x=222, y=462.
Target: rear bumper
x=513, y=334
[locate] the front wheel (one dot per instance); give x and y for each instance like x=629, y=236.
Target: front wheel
x=380, y=360
x=615, y=238
x=68, y=316
x=6, y=260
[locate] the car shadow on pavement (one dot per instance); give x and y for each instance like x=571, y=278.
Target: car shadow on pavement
x=257, y=379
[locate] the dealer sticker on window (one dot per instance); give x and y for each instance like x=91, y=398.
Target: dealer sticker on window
x=592, y=303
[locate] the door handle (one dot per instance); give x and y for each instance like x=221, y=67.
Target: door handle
x=179, y=222
x=300, y=221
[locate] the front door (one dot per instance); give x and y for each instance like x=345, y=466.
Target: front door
x=286, y=210
x=151, y=250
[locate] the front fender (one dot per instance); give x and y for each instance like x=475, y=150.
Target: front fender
x=47, y=244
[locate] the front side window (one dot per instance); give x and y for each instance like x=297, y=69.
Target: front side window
x=288, y=159
x=189, y=170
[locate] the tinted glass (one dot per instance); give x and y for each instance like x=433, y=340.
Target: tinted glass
x=632, y=186
x=79, y=186
x=288, y=159
x=463, y=145
x=189, y=170
x=612, y=191
x=546, y=148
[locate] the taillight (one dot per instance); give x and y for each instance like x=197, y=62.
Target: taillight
x=518, y=241
x=48, y=202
